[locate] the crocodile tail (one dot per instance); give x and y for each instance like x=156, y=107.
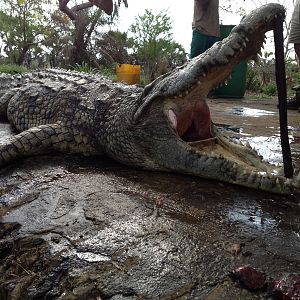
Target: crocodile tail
x=44, y=139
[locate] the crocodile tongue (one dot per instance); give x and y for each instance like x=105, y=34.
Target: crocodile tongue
x=191, y=121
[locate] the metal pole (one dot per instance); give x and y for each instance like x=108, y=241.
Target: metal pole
x=282, y=97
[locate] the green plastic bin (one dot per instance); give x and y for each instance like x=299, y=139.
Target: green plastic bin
x=236, y=87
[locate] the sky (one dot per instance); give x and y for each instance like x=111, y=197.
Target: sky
x=181, y=13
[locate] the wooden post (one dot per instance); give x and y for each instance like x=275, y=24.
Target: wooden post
x=282, y=97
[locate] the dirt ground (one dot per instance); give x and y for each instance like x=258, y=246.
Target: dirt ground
x=90, y=228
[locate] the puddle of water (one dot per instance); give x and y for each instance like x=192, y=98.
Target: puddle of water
x=92, y=257
x=268, y=147
x=253, y=217
x=250, y=112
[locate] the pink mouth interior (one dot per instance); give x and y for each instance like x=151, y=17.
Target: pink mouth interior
x=192, y=121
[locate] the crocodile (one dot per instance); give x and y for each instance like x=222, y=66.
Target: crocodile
x=166, y=126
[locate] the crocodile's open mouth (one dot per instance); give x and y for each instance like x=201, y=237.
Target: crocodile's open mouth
x=190, y=119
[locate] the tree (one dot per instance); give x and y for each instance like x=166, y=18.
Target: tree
x=72, y=42
x=153, y=45
x=85, y=24
x=111, y=48
x=58, y=39
x=22, y=23
x=26, y=26
x=86, y=18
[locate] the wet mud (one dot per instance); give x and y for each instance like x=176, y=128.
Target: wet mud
x=90, y=228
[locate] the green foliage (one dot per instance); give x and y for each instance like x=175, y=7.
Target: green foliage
x=58, y=39
x=12, y=69
x=292, y=74
x=112, y=49
x=253, y=83
x=261, y=76
x=32, y=34
x=108, y=73
x=270, y=89
x=294, y=77
x=148, y=28
x=153, y=45
x=31, y=31
x=85, y=68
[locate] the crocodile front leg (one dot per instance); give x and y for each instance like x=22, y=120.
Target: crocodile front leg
x=44, y=139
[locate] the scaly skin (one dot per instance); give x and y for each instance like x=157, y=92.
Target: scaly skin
x=166, y=126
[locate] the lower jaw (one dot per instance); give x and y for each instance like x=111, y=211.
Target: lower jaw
x=203, y=143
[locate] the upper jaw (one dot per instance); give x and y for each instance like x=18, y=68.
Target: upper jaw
x=213, y=67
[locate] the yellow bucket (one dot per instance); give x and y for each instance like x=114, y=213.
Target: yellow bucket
x=129, y=74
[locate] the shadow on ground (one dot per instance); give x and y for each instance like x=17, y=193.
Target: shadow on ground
x=79, y=228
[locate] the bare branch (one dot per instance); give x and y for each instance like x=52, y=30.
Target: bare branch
x=105, y=5
x=81, y=6
x=64, y=8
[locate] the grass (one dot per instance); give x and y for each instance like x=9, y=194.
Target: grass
x=12, y=69
x=85, y=68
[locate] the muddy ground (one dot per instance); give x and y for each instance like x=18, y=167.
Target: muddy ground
x=90, y=228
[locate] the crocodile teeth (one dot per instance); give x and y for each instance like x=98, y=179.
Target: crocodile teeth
x=222, y=59
x=228, y=51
